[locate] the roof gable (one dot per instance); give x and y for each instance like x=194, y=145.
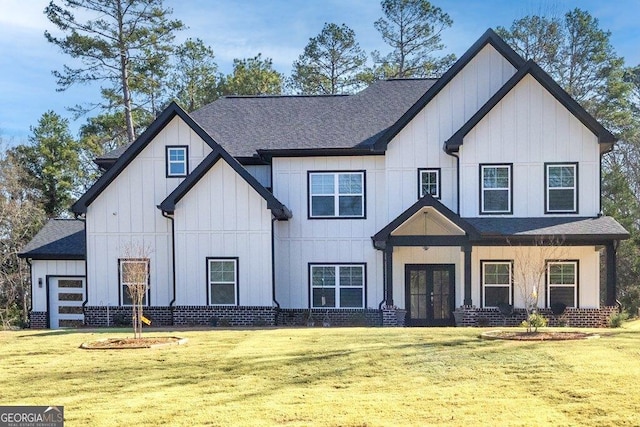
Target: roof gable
x=531, y=68
x=80, y=206
x=279, y=210
x=489, y=37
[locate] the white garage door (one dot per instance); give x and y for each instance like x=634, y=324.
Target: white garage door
x=66, y=295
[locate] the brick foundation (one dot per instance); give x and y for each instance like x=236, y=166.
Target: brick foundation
x=334, y=317
x=38, y=320
x=575, y=317
x=189, y=315
x=121, y=316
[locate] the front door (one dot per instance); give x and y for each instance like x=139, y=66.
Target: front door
x=66, y=295
x=430, y=294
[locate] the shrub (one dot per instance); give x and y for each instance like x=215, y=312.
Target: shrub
x=122, y=320
x=616, y=319
x=483, y=321
x=535, y=321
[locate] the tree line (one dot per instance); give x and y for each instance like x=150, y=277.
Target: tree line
x=127, y=50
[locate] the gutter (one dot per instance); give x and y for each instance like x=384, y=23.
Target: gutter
x=454, y=154
x=173, y=260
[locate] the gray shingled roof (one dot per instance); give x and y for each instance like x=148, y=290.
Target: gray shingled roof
x=603, y=226
x=58, y=239
x=243, y=125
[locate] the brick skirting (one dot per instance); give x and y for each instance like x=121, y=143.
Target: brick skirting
x=575, y=317
x=38, y=320
x=121, y=316
x=188, y=315
x=329, y=317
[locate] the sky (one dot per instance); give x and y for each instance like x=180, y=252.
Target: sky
x=279, y=29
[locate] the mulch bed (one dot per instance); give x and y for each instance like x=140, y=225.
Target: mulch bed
x=132, y=343
x=538, y=336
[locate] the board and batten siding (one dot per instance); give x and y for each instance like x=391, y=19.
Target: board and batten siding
x=41, y=269
x=222, y=216
x=262, y=173
x=588, y=274
x=301, y=240
x=125, y=214
x=528, y=128
x=419, y=144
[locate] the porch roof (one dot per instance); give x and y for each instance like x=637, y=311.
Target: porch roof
x=61, y=239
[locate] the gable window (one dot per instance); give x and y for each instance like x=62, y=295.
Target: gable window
x=337, y=285
x=336, y=194
x=562, y=283
x=561, y=188
x=497, y=282
x=222, y=277
x=134, y=277
x=429, y=182
x=177, y=161
x=495, y=192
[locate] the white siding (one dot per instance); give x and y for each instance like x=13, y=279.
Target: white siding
x=223, y=216
x=301, y=241
x=419, y=144
x=527, y=128
x=588, y=276
x=125, y=213
x=262, y=173
x=41, y=269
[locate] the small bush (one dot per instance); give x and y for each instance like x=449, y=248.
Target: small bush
x=617, y=319
x=483, y=321
x=122, y=320
x=535, y=321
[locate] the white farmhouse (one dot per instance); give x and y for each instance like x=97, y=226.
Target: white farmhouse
x=398, y=205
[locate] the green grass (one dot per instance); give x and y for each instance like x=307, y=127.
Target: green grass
x=334, y=376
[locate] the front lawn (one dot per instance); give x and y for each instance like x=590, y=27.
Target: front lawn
x=333, y=376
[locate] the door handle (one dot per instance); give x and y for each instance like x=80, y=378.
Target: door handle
x=431, y=297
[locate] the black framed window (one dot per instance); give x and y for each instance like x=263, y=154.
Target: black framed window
x=562, y=283
x=429, y=182
x=337, y=285
x=561, y=187
x=496, y=189
x=177, y=160
x=497, y=282
x=222, y=281
x=336, y=194
x=133, y=275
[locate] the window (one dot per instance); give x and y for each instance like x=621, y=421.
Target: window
x=134, y=277
x=222, y=276
x=561, y=188
x=177, y=161
x=562, y=283
x=429, y=182
x=337, y=286
x=495, y=194
x=497, y=282
x=336, y=194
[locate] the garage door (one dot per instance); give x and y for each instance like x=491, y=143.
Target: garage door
x=66, y=295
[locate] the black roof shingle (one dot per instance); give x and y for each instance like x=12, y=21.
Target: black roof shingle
x=59, y=239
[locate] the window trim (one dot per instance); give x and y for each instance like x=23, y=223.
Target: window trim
x=546, y=188
x=336, y=173
x=337, y=266
x=438, y=182
x=482, y=279
x=236, y=288
x=168, y=162
x=121, y=285
x=481, y=168
x=548, y=285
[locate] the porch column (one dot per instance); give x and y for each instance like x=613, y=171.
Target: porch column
x=611, y=274
x=467, y=274
x=388, y=273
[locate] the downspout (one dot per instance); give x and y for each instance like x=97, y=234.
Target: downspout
x=31, y=282
x=384, y=279
x=86, y=269
x=452, y=154
x=173, y=261
x=273, y=266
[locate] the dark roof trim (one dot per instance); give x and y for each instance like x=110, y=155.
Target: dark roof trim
x=51, y=257
x=533, y=240
x=531, y=68
x=384, y=235
x=316, y=152
x=168, y=205
x=134, y=149
x=489, y=37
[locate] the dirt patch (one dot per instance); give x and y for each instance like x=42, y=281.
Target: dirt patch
x=538, y=336
x=132, y=343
